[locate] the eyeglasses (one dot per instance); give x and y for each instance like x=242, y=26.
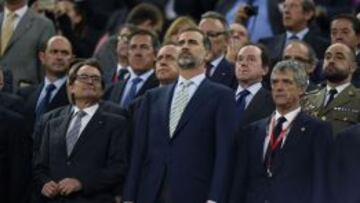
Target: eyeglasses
x=86, y=78
x=215, y=34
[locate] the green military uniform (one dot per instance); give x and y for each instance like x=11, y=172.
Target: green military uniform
x=342, y=112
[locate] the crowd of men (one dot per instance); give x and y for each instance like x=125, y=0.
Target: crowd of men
x=210, y=116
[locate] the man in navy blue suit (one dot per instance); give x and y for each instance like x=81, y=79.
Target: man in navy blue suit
x=346, y=166
x=218, y=68
x=183, y=135
x=283, y=158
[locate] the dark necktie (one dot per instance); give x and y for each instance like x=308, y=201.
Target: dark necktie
x=208, y=67
x=332, y=93
x=73, y=135
x=132, y=92
x=120, y=75
x=241, y=103
x=44, y=103
x=271, y=153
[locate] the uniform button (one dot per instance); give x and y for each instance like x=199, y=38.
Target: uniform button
x=323, y=118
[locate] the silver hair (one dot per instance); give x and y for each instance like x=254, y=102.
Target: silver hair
x=298, y=70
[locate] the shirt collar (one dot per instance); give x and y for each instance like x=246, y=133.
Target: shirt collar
x=253, y=89
x=300, y=34
x=143, y=76
x=58, y=83
x=339, y=88
x=289, y=116
x=195, y=80
x=90, y=111
x=217, y=61
x=19, y=12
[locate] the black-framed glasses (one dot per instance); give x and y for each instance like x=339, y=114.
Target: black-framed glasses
x=86, y=78
x=215, y=34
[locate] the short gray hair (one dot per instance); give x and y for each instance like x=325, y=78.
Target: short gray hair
x=299, y=74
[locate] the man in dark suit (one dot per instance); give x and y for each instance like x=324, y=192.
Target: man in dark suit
x=345, y=28
x=75, y=164
x=283, y=158
x=51, y=93
x=218, y=69
x=10, y=165
x=21, y=43
x=345, y=166
x=143, y=46
x=253, y=101
x=296, y=18
x=184, y=135
x=303, y=53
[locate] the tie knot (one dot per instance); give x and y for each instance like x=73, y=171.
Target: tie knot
x=293, y=37
x=333, y=91
x=136, y=80
x=244, y=93
x=185, y=84
x=50, y=87
x=281, y=120
x=11, y=15
x=80, y=114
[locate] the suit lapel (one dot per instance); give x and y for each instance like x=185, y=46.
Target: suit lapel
x=118, y=91
x=148, y=84
x=165, y=101
x=220, y=71
x=60, y=136
x=91, y=129
x=24, y=24
x=254, y=104
x=199, y=97
x=297, y=130
x=59, y=99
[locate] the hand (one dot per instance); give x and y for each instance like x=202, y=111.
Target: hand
x=50, y=189
x=69, y=185
x=241, y=15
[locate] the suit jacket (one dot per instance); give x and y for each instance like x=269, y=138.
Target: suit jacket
x=342, y=112
x=195, y=160
x=11, y=102
x=31, y=96
x=225, y=74
x=345, y=166
x=116, y=92
x=21, y=54
x=277, y=44
x=98, y=160
x=261, y=106
x=11, y=156
x=299, y=171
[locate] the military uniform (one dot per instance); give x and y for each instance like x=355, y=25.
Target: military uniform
x=342, y=112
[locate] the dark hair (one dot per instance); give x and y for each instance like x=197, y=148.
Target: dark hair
x=217, y=16
x=309, y=6
x=154, y=39
x=88, y=62
x=352, y=19
x=264, y=55
x=206, y=41
x=143, y=12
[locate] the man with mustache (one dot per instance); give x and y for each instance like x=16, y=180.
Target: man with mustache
x=142, y=49
x=339, y=101
x=184, y=135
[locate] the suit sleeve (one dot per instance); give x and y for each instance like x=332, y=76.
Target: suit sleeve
x=138, y=150
x=322, y=146
x=225, y=123
x=113, y=174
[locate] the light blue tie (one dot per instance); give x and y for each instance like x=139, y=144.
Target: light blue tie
x=73, y=134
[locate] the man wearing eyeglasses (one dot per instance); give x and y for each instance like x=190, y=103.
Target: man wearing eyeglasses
x=218, y=68
x=300, y=51
x=83, y=155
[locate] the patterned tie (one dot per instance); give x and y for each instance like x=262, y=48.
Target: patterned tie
x=241, y=103
x=332, y=93
x=73, y=134
x=7, y=31
x=181, y=99
x=132, y=92
x=270, y=153
x=44, y=103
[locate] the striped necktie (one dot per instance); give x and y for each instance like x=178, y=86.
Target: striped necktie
x=7, y=31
